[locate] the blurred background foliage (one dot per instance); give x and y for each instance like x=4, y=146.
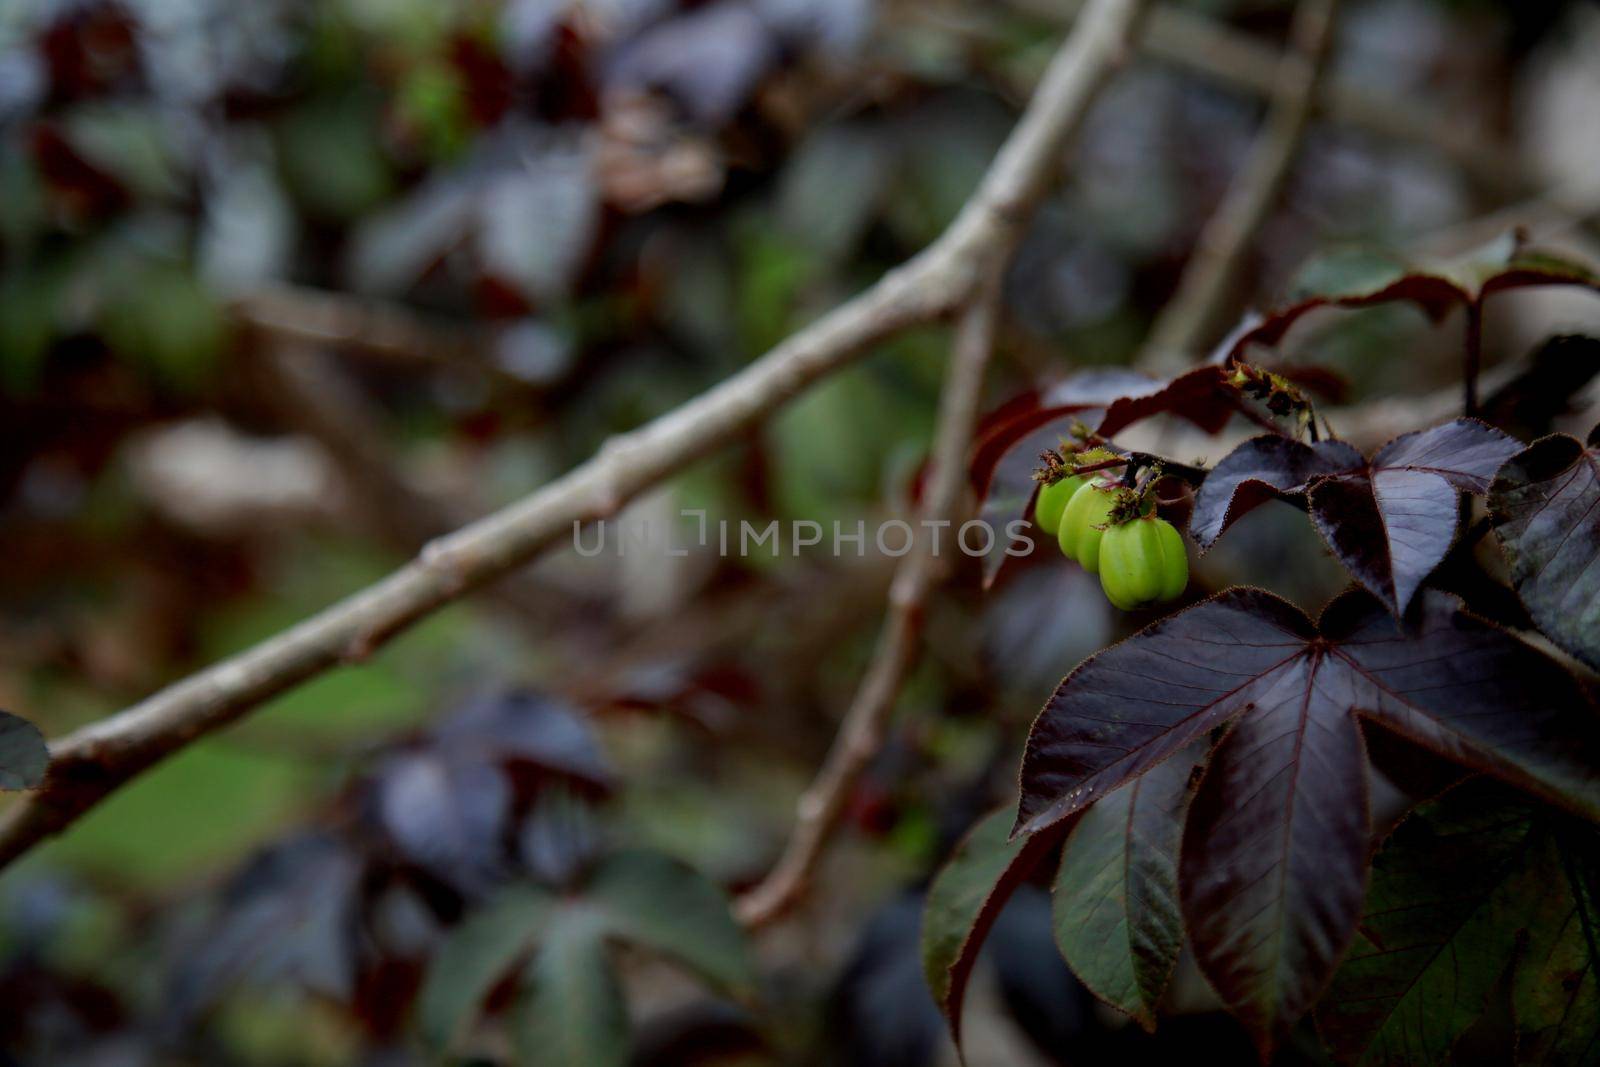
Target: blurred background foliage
x=287, y=287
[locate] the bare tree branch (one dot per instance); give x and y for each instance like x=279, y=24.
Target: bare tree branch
x=90, y=763
x=1202, y=301
x=292, y=314
x=861, y=733
x=1544, y=215
x=1200, y=45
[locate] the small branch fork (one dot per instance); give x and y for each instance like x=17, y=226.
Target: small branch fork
x=953, y=275
x=1196, y=311
x=861, y=734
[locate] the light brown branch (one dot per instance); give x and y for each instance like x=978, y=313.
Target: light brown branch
x=292, y=314
x=1542, y=215
x=861, y=734
x=90, y=763
x=1202, y=301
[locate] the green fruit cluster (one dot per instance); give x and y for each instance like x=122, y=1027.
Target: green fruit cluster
x=1141, y=561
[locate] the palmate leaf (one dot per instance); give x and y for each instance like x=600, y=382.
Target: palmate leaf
x=639, y=898
x=965, y=899
x=1364, y=278
x=1275, y=849
x=1116, y=913
x=572, y=1012
x=23, y=755
x=1472, y=886
x=657, y=903
x=1390, y=520
x=1545, y=505
x=291, y=913
x=477, y=955
x=1269, y=467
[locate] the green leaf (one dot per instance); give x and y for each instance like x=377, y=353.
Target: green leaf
x=1556, y=990
x=1448, y=894
x=660, y=904
x=130, y=142
x=1117, y=918
x=331, y=155
x=573, y=1013
x=30, y=319
x=163, y=317
x=476, y=956
x=966, y=898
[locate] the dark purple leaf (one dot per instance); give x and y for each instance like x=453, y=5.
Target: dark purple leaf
x=290, y=914
x=1106, y=400
x=1280, y=827
x=559, y=839
x=1557, y=371
x=1460, y=688
x=708, y=60
x=881, y=1010
x=1366, y=278
x=1128, y=708
x=1261, y=469
x=1100, y=387
x=1011, y=437
x=1389, y=531
x=528, y=727
x=524, y=201
x=1390, y=521
x=1116, y=912
x=1008, y=487
x=1545, y=504
x=23, y=755
x=1275, y=853
x=1201, y=396
x=449, y=817
x=1465, y=453
x=965, y=899
x=1393, y=523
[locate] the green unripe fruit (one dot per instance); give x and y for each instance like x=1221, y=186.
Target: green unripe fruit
x=1143, y=562
x=1052, y=501
x=1090, y=507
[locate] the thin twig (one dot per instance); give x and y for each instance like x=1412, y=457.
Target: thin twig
x=1203, y=298
x=1542, y=215
x=1199, y=44
x=293, y=314
x=316, y=397
x=861, y=734
x=90, y=763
